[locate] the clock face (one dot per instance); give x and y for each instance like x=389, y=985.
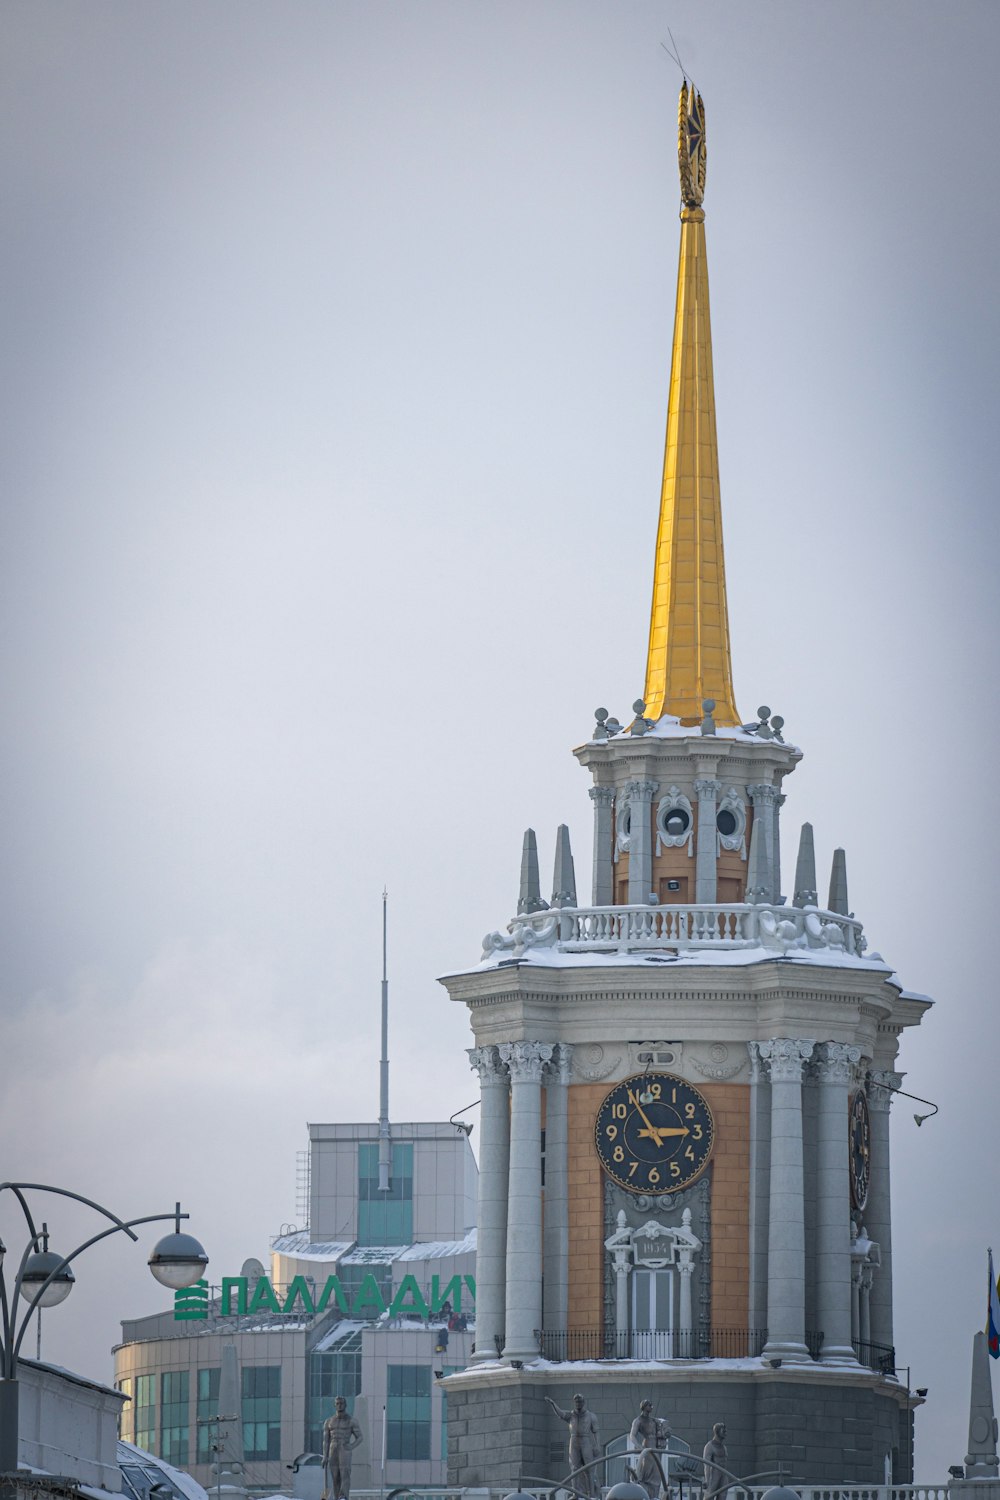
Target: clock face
x=654, y=1133
x=860, y=1146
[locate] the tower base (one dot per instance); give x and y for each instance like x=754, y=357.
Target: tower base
x=823, y=1426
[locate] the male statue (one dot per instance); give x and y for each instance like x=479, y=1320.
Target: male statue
x=716, y=1482
x=341, y=1435
x=648, y=1435
x=584, y=1444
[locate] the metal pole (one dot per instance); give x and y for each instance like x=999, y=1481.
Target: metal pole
x=8, y=1438
x=384, y=1133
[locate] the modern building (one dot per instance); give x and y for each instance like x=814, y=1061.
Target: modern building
x=686, y=1084
x=359, y=1304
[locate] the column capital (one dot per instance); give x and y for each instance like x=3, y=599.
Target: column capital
x=602, y=794
x=641, y=791
x=882, y=1084
x=487, y=1064
x=836, y=1062
x=525, y=1059
x=786, y=1056
x=707, y=788
x=763, y=793
x=560, y=1065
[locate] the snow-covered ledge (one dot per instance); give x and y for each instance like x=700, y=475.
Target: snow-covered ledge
x=680, y=929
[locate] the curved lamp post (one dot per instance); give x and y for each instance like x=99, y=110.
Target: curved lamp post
x=44, y=1278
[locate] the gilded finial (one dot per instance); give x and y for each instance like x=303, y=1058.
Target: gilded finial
x=691, y=145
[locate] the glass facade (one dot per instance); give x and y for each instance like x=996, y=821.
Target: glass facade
x=261, y=1412
x=174, y=1430
x=351, y=1278
x=385, y=1218
x=126, y=1419
x=207, y=1408
x=408, y=1411
x=334, y=1372
x=145, y=1412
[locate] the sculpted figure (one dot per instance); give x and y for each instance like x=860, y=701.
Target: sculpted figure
x=647, y=1435
x=716, y=1483
x=341, y=1435
x=584, y=1443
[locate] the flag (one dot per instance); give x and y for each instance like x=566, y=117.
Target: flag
x=993, y=1313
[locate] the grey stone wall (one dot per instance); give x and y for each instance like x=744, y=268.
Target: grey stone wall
x=826, y=1433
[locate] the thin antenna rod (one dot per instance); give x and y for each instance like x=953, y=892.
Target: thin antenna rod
x=384, y=1132
x=675, y=56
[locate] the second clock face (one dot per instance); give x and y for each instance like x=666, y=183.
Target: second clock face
x=654, y=1133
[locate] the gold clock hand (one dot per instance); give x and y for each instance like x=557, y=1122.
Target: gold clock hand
x=667, y=1130
x=651, y=1129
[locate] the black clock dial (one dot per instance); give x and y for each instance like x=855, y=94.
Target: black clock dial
x=860, y=1149
x=654, y=1133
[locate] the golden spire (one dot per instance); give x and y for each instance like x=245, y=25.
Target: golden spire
x=688, y=657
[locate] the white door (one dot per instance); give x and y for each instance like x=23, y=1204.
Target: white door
x=652, y=1314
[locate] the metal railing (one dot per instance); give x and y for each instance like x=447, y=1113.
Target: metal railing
x=561, y=1345
x=880, y=1357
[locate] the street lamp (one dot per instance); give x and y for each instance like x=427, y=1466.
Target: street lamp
x=44, y=1279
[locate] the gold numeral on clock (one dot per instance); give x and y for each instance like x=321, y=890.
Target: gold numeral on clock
x=611, y=1131
x=689, y=1111
x=689, y=1153
x=675, y=1170
x=654, y=1175
x=696, y=1132
x=618, y=1154
x=632, y=1167
x=620, y=1111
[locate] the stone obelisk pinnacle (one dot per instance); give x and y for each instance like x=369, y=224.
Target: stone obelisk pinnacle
x=689, y=657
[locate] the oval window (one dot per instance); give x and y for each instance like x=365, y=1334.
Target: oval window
x=726, y=822
x=676, y=822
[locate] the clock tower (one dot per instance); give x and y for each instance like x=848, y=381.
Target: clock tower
x=686, y=1084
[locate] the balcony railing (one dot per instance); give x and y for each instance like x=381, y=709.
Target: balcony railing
x=559, y=1345
x=880, y=1357
x=679, y=929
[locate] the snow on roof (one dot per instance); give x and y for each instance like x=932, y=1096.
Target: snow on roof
x=373, y=1255
x=556, y=958
x=303, y=1248
x=338, y=1333
x=441, y=1249
x=182, y=1482
x=668, y=726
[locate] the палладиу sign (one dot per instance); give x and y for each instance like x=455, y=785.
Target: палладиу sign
x=300, y=1296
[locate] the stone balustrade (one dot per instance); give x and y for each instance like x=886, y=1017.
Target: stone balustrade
x=679, y=929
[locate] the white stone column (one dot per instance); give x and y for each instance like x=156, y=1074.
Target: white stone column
x=491, y=1245
x=864, y=1317
x=878, y=1210
x=765, y=809
x=760, y=1184
x=525, y=1060
x=835, y=1066
x=786, y=1269
x=685, y=1265
x=604, y=877
x=640, y=843
x=779, y=803
x=555, y=1256
x=707, y=848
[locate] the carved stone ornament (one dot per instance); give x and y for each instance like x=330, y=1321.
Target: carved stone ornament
x=486, y=1061
x=734, y=804
x=719, y=1071
x=602, y=794
x=623, y=823
x=561, y=1066
x=804, y=929
x=674, y=803
x=836, y=1062
x=653, y=1244
x=785, y=1057
x=523, y=934
x=882, y=1084
x=592, y=1063
x=526, y=1060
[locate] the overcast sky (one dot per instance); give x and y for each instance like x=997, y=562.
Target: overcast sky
x=334, y=357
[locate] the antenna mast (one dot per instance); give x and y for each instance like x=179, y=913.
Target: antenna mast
x=384, y=1133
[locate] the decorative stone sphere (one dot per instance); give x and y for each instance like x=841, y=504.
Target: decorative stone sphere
x=627, y=1489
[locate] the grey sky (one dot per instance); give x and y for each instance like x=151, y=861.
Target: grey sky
x=334, y=354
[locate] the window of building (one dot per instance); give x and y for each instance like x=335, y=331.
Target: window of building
x=207, y=1409
x=333, y=1372
x=261, y=1412
x=385, y=1218
x=145, y=1412
x=408, y=1411
x=448, y=1370
x=126, y=1417
x=174, y=1417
